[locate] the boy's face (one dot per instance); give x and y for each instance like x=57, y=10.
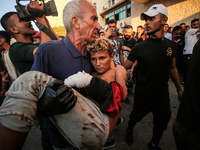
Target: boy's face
x=101, y=61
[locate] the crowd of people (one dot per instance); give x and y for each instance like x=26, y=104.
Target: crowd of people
x=74, y=85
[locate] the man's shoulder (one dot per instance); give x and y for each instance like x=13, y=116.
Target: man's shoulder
x=20, y=46
x=191, y=32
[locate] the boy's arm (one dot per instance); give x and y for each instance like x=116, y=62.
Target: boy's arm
x=120, y=77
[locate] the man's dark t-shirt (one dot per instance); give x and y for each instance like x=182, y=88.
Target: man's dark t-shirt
x=154, y=58
x=21, y=55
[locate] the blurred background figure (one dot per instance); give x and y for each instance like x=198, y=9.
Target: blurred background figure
x=60, y=37
x=167, y=34
x=36, y=38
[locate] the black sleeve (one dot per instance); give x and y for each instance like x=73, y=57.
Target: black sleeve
x=132, y=54
x=100, y=90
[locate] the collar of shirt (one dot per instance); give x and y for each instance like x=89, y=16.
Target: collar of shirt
x=73, y=50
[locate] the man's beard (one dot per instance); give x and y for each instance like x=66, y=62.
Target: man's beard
x=127, y=38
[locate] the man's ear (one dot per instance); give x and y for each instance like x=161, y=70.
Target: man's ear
x=75, y=22
x=14, y=29
x=164, y=20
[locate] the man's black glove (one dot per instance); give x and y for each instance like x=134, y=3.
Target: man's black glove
x=56, y=99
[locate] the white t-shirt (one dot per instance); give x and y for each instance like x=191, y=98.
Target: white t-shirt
x=190, y=40
x=10, y=68
x=168, y=36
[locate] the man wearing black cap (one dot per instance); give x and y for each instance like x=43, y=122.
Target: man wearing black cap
x=155, y=60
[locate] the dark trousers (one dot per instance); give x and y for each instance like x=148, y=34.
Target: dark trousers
x=159, y=106
x=186, y=59
x=184, y=138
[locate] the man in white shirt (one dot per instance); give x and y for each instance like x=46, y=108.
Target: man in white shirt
x=191, y=38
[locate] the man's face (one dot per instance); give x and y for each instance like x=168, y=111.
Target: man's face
x=128, y=33
x=154, y=24
x=140, y=30
x=166, y=27
x=23, y=27
x=112, y=26
x=183, y=26
x=101, y=61
x=89, y=26
x=195, y=25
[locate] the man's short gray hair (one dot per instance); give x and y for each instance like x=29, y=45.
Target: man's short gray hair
x=73, y=8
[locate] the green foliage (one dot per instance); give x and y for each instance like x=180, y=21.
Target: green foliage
x=60, y=30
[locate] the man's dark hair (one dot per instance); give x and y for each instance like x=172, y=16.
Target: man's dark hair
x=182, y=24
x=6, y=36
x=112, y=21
x=141, y=27
x=176, y=28
x=194, y=20
x=128, y=27
x=187, y=26
x=6, y=22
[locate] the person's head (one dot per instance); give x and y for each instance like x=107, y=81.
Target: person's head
x=101, y=54
x=155, y=18
x=170, y=30
x=60, y=37
x=36, y=38
x=195, y=23
x=112, y=24
x=182, y=25
x=177, y=30
x=140, y=30
x=14, y=26
x=128, y=32
x=187, y=28
x=166, y=27
x=101, y=34
x=81, y=17
x=4, y=38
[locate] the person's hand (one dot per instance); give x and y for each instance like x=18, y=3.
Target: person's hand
x=34, y=5
x=6, y=78
x=108, y=33
x=79, y=80
x=180, y=94
x=125, y=48
x=131, y=73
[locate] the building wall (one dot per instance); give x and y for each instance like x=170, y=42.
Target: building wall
x=178, y=11
x=58, y=21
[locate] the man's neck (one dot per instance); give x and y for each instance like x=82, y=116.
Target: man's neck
x=77, y=42
x=23, y=38
x=158, y=34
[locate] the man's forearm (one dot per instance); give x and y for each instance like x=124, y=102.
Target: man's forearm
x=175, y=78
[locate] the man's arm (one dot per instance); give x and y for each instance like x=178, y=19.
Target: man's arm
x=127, y=64
x=11, y=140
x=175, y=78
x=43, y=20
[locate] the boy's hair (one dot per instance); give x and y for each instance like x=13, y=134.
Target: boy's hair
x=176, y=28
x=6, y=36
x=100, y=45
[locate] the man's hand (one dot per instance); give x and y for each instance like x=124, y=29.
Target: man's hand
x=35, y=5
x=180, y=94
x=125, y=48
x=79, y=80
